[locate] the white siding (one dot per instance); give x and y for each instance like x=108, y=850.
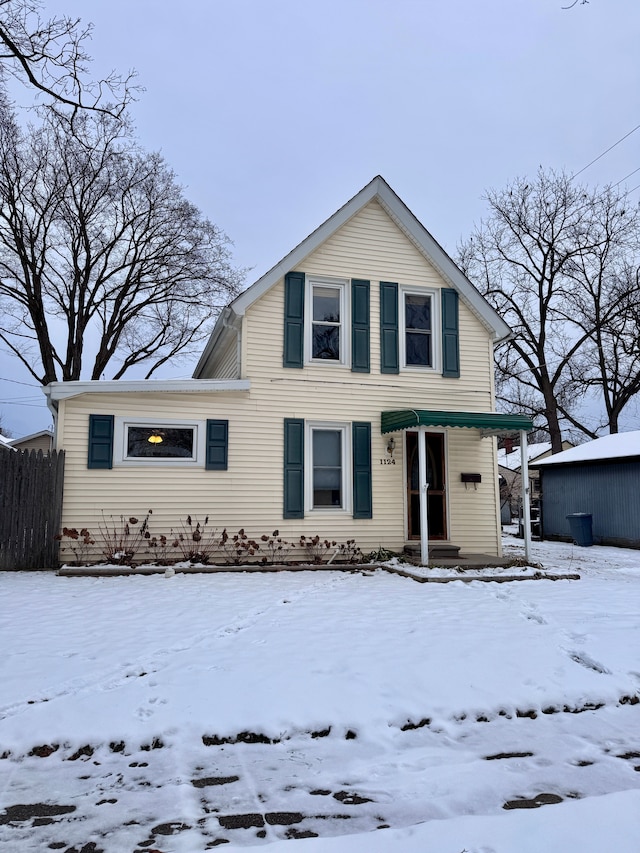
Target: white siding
x=250, y=493
x=224, y=363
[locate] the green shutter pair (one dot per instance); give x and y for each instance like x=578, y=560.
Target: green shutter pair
x=389, y=334
x=294, y=292
x=101, y=443
x=294, y=469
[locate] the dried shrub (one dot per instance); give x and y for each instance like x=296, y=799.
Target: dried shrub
x=196, y=541
x=348, y=552
x=80, y=542
x=321, y=551
x=316, y=548
x=237, y=548
x=277, y=548
x=123, y=537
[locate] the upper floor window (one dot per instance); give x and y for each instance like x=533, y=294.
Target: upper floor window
x=418, y=328
x=327, y=321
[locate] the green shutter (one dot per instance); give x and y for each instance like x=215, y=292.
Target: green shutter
x=450, y=343
x=293, y=319
x=362, y=486
x=217, y=445
x=293, y=468
x=100, y=441
x=360, y=326
x=389, y=357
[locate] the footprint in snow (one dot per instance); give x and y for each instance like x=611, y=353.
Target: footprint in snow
x=588, y=662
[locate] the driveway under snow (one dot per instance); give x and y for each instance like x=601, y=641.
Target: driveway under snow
x=323, y=711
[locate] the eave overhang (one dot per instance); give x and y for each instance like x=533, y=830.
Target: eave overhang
x=56, y=391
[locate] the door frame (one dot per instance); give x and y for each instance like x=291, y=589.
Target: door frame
x=423, y=431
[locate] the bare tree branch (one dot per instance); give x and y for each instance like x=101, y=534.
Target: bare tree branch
x=560, y=265
x=104, y=264
x=49, y=56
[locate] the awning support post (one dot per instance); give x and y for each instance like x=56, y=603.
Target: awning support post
x=526, y=497
x=424, y=487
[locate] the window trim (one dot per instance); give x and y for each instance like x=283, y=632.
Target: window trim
x=121, y=427
x=342, y=285
x=346, y=479
x=436, y=355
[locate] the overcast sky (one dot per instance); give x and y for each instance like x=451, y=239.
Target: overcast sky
x=273, y=114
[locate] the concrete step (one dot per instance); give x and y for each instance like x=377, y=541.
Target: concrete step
x=437, y=550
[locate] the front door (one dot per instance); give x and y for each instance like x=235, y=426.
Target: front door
x=436, y=494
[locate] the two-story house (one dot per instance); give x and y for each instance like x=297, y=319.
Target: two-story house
x=348, y=393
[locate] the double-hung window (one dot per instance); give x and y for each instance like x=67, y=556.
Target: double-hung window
x=327, y=321
x=418, y=337
x=327, y=466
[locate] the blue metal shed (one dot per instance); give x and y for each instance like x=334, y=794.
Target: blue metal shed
x=602, y=478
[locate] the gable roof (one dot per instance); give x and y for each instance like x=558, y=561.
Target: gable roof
x=5, y=443
x=621, y=445
x=377, y=189
x=31, y=436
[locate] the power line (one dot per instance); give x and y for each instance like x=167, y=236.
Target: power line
x=32, y=405
x=610, y=148
x=17, y=382
x=627, y=176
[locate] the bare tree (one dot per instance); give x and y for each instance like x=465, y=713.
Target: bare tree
x=610, y=363
x=546, y=257
x=3, y=431
x=49, y=56
x=103, y=261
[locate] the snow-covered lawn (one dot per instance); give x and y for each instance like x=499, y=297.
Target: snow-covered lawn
x=350, y=711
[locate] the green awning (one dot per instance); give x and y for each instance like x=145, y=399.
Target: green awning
x=491, y=423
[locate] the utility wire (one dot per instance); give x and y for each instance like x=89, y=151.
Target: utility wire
x=627, y=176
x=17, y=382
x=610, y=148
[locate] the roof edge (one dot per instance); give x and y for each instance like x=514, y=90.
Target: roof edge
x=379, y=189
x=56, y=391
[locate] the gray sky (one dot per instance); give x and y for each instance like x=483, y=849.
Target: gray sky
x=273, y=114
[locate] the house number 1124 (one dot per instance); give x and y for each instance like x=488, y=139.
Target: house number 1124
x=387, y=461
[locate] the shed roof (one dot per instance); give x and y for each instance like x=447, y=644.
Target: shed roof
x=622, y=445
x=513, y=460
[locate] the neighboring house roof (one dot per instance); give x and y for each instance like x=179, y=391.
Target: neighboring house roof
x=5, y=443
x=378, y=189
x=622, y=445
x=513, y=460
x=31, y=436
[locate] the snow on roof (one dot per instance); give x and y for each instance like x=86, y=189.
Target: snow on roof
x=5, y=442
x=513, y=460
x=617, y=446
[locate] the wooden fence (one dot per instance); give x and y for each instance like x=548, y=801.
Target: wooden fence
x=30, y=509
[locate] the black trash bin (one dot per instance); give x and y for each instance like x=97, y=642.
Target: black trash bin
x=580, y=525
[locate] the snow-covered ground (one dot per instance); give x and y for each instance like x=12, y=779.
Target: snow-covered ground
x=350, y=711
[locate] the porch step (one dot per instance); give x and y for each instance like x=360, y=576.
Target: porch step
x=437, y=550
